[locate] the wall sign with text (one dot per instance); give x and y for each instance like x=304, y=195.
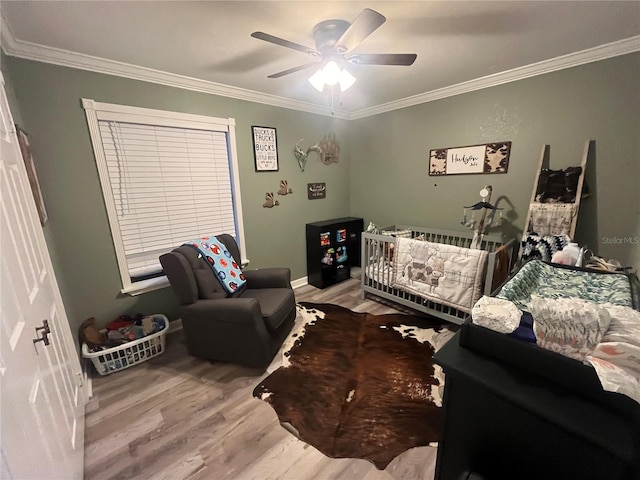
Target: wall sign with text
x=487, y=158
x=316, y=190
x=265, y=149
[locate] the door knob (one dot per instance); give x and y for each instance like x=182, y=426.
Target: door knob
x=45, y=333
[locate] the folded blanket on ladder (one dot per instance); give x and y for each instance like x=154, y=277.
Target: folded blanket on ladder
x=551, y=218
x=444, y=274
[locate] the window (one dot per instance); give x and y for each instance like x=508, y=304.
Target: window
x=166, y=178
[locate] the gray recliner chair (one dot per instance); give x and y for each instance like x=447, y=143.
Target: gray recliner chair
x=246, y=327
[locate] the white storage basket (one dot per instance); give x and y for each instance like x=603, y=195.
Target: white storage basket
x=130, y=353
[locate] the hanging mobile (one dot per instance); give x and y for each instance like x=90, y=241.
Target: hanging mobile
x=472, y=221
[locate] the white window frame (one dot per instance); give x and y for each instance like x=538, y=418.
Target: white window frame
x=97, y=111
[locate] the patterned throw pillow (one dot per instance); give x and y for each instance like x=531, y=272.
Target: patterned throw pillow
x=221, y=262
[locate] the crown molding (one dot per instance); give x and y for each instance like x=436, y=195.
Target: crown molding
x=40, y=53
x=602, y=52
x=56, y=56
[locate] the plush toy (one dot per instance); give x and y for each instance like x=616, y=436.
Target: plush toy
x=562, y=258
x=89, y=333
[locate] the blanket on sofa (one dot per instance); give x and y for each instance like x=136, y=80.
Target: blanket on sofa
x=444, y=274
x=220, y=260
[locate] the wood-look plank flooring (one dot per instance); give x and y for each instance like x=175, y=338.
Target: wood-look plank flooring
x=179, y=417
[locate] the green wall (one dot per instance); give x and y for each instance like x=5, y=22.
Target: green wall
x=598, y=101
x=382, y=175
x=78, y=233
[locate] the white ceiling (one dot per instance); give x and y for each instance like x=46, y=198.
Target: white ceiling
x=206, y=45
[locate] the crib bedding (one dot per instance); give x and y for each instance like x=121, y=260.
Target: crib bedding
x=442, y=273
x=382, y=275
x=381, y=271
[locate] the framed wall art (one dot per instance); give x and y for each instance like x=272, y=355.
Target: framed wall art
x=265, y=148
x=27, y=157
x=485, y=158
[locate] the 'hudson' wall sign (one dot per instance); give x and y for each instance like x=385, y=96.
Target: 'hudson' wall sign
x=487, y=158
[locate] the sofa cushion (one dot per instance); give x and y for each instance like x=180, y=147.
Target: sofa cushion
x=275, y=304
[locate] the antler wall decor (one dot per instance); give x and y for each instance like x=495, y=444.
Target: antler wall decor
x=328, y=149
x=301, y=155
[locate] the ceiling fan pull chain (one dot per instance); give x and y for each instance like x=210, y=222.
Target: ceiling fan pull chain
x=332, y=88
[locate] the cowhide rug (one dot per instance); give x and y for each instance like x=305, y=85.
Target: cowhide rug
x=359, y=385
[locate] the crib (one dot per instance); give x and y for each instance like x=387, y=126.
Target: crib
x=377, y=274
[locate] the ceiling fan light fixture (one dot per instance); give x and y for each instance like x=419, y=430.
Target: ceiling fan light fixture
x=335, y=42
x=346, y=80
x=331, y=74
x=317, y=80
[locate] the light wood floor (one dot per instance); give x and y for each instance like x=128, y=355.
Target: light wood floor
x=179, y=417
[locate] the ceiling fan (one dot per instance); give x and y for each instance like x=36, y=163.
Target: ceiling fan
x=335, y=41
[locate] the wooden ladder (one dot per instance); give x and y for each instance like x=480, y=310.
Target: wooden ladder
x=544, y=163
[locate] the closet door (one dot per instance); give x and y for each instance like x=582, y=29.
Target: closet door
x=42, y=399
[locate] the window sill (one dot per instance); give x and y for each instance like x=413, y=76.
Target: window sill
x=146, y=286
x=152, y=284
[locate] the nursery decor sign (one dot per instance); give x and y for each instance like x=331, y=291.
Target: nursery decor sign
x=265, y=149
x=486, y=158
x=316, y=190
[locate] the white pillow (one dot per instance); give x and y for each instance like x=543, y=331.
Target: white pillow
x=496, y=314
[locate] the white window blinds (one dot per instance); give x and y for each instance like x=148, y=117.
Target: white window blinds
x=169, y=185
x=163, y=184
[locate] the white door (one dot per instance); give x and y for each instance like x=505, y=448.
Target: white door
x=42, y=398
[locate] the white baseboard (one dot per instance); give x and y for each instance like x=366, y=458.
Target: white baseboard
x=175, y=326
x=300, y=282
x=87, y=382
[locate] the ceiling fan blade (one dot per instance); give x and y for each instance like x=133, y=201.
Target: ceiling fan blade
x=404, y=59
x=293, y=70
x=284, y=43
x=363, y=26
